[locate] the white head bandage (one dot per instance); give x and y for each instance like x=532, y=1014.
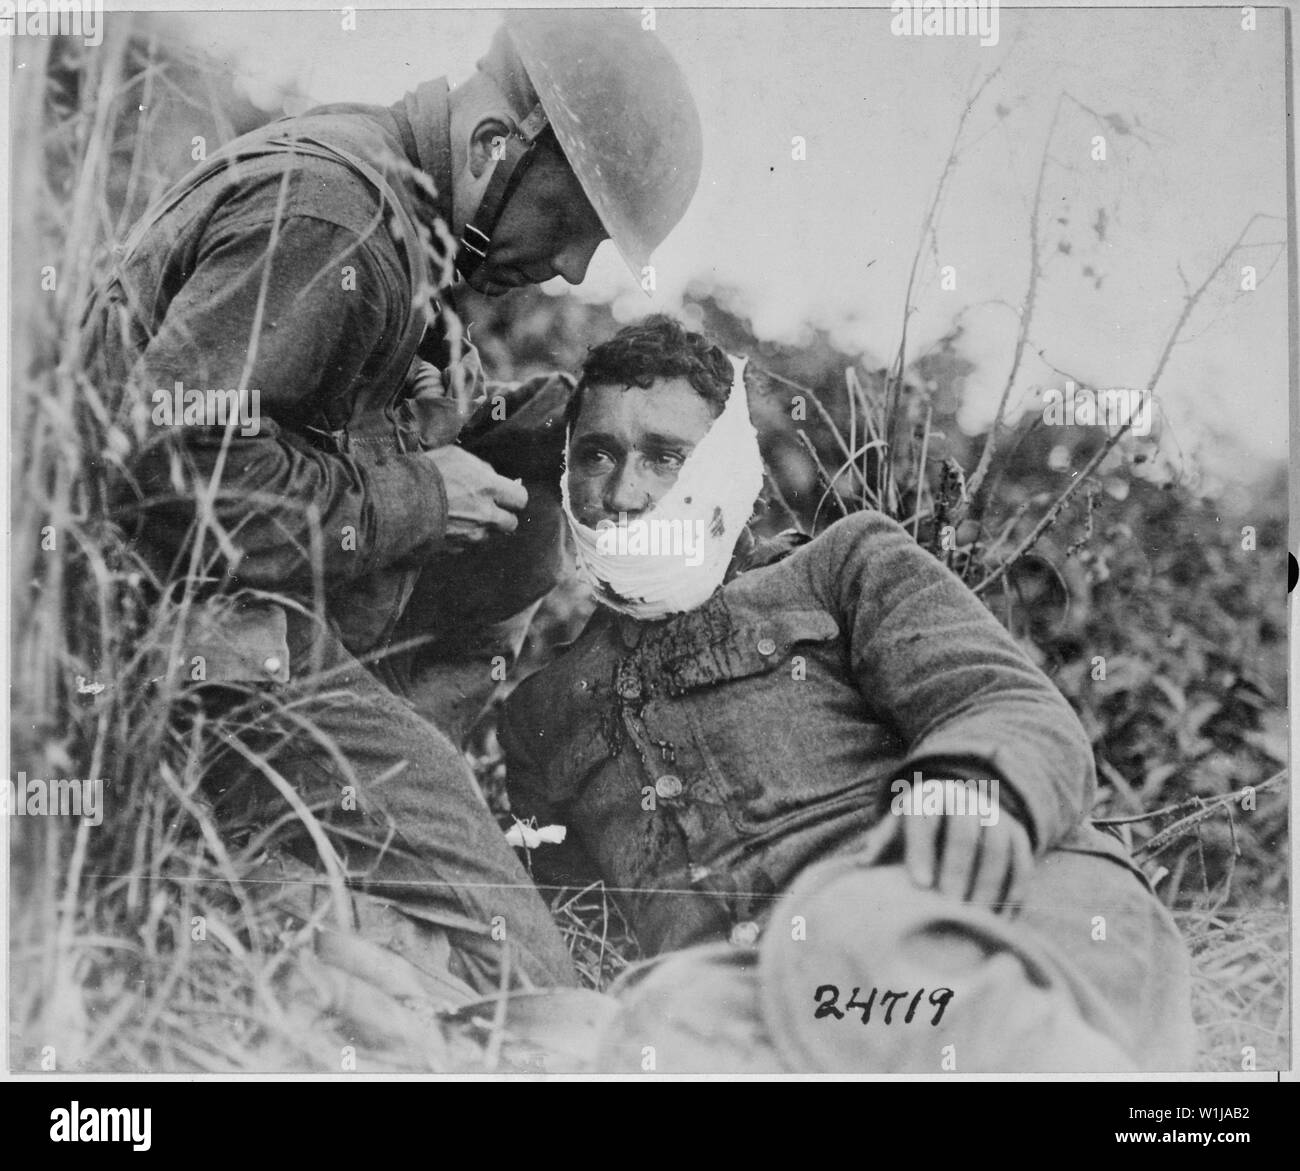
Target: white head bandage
x=672, y=557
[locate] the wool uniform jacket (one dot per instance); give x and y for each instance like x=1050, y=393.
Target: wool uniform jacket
x=293, y=274
x=703, y=761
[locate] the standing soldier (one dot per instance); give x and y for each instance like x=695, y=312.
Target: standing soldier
x=307, y=265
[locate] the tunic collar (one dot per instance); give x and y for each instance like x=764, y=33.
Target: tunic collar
x=424, y=118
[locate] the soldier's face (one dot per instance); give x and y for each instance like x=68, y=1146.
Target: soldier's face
x=628, y=445
x=548, y=229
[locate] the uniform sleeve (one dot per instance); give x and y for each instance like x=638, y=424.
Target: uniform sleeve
x=933, y=662
x=328, y=306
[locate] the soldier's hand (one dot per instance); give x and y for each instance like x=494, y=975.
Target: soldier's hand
x=479, y=501
x=957, y=856
x=464, y=384
x=423, y=379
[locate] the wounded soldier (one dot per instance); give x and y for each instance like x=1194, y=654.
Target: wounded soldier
x=743, y=744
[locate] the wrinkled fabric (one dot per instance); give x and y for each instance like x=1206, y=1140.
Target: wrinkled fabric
x=283, y=270
x=401, y=808
x=1036, y=992
x=721, y=770
x=281, y=274
x=703, y=761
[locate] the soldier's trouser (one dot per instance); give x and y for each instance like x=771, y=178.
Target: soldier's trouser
x=400, y=804
x=859, y=971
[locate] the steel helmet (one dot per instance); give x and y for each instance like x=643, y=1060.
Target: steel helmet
x=620, y=110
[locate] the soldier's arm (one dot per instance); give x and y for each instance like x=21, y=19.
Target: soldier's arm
x=296, y=325
x=930, y=659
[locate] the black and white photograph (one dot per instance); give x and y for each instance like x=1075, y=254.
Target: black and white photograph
x=650, y=543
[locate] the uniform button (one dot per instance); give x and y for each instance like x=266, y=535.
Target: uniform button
x=745, y=934
x=668, y=787
x=766, y=646
x=271, y=665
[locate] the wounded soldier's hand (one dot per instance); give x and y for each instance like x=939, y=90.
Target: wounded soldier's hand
x=957, y=856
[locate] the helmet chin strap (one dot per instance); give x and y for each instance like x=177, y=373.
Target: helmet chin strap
x=518, y=152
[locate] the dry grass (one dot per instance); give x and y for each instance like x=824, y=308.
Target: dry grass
x=1240, y=987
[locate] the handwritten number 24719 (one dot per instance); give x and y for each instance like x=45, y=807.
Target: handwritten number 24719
x=828, y=995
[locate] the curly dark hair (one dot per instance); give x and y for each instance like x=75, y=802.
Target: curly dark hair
x=658, y=347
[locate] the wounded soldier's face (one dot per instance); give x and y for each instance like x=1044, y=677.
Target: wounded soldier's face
x=657, y=491
x=628, y=445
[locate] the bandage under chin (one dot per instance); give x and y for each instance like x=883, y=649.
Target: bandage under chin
x=672, y=557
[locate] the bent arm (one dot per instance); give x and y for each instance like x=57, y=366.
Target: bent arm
x=289, y=326
x=932, y=661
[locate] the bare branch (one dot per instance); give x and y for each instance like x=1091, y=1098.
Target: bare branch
x=1189, y=304
x=976, y=483
x=895, y=381
x=1207, y=808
